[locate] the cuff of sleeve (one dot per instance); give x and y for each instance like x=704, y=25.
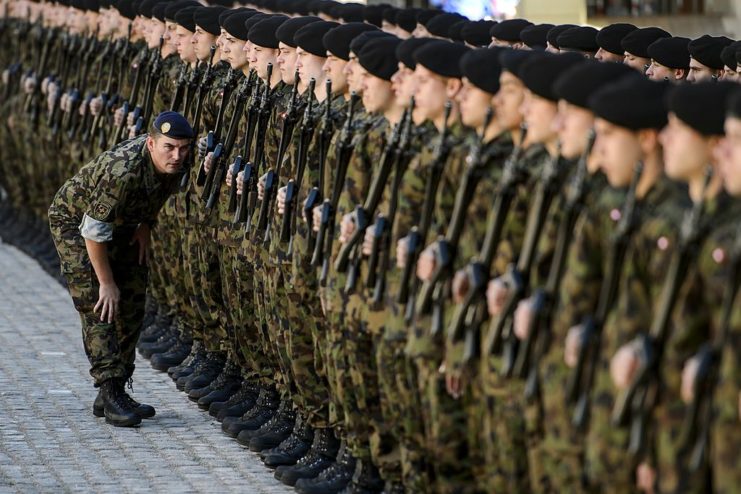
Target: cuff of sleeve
x=95, y=230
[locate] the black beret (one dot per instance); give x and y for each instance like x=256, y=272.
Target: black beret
x=337, y=41
x=126, y=9
x=406, y=19
x=309, y=37
x=172, y=124
x=637, y=42
x=230, y=12
x=352, y=12
x=104, y=4
x=184, y=18
x=356, y=46
x=610, y=38
x=728, y=55
x=424, y=15
x=158, y=11
x=253, y=20
x=455, y=31
x=579, y=82
x=540, y=70
x=738, y=57
x=481, y=67
x=287, y=30
x=145, y=8
x=173, y=8
x=440, y=25
x=582, y=38
x=405, y=50
x=262, y=33
x=509, y=30
x=671, y=52
x=207, y=18
x=476, y=33
x=734, y=104
x=378, y=57
x=634, y=102
x=512, y=60
x=556, y=31
x=373, y=14
x=536, y=36
x=389, y=15
x=706, y=50
x=702, y=106
x=234, y=24
x=80, y=5
x=327, y=7
x=442, y=57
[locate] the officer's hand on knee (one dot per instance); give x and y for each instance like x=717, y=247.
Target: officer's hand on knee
x=369, y=240
x=496, y=296
x=347, y=228
x=573, y=346
x=281, y=200
x=460, y=286
x=108, y=297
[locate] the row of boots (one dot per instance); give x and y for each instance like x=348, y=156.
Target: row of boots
x=313, y=461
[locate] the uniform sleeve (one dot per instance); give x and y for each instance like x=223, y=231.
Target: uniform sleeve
x=103, y=209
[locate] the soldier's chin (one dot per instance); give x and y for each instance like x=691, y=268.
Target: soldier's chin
x=172, y=167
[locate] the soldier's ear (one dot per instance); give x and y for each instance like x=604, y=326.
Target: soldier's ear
x=453, y=87
x=150, y=143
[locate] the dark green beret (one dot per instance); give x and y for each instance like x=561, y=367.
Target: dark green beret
x=476, y=33
x=286, y=32
x=263, y=32
x=207, y=18
x=583, y=38
x=481, y=67
x=309, y=37
x=578, y=83
x=728, y=55
x=609, y=38
x=706, y=50
x=440, y=25
x=536, y=36
x=442, y=57
x=671, y=52
x=539, y=71
x=405, y=50
x=637, y=42
x=378, y=57
x=509, y=30
x=702, y=106
x=184, y=18
x=633, y=102
x=337, y=40
x=172, y=124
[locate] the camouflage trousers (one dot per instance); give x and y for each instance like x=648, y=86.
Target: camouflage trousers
x=275, y=307
x=110, y=347
x=726, y=430
x=207, y=281
x=229, y=301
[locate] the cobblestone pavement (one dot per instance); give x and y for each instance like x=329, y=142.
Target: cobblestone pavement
x=49, y=439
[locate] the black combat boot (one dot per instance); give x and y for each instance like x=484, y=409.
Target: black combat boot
x=117, y=408
x=142, y=410
x=238, y=404
x=366, y=479
x=207, y=373
x=150, y=311
x=160, y=323
x=332, y=479
x=197, y=355
x=393, y=487
x=291, y=449
x=264, y=409
x=174, y=356
x=273, y=432
x=321, y=455
x=163, y=344
x=224, y=386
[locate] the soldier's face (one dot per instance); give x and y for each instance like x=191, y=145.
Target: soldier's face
x=233, y=52
x=573, y=124
x=334, y=68
x=658, y=72
x=539, y=115
x=287, y=63
x=729, y=157
x=168, y=154
x=617, y=150
x=638, y=63
x=309, y=66
x=686, y=151
x=377, y=94
x=202, y=42
x=730, y=74
x=260, y=57
x=403, y=85
x=183, y=44
x=508, y=100
x=170, y=29
x=353, y=74
x=473, y=103
x=699, y=72
x=431, y=94
x=156, y=31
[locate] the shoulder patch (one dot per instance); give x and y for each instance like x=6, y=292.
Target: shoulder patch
x=102, y=210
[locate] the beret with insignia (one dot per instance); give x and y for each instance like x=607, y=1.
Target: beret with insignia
x=173, y=124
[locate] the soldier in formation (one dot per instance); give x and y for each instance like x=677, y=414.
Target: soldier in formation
x=393, y=250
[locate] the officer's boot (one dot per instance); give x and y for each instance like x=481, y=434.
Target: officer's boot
x=332, y=479
x=273, y=432
x=207, y=373
x=238, y=404
x=117, y=409
x=266, y=406
x=226, y=384
x=291, y=449
x=142, y=410
x=321, y=455
x=366, y=479
x=185, y=368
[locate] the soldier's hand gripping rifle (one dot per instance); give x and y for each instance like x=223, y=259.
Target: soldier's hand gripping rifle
x=267, y=207
x=579, y=384
x=80, y=89
x=379, y=259
x=243, y=214
x=418, y=234
x=238, y=163
x=207, y=179
x=33, y=103
x=446, y=247
x=69, y=53
x=364, y=213
x=252, y=169
x=635, y=404
x=218, y=167
x=545, y=299
x=97, y=126
x=315, y=195
x=698, y=420
x=133, y=100
x=86, y=124
x=153, y=80
x=325, y=236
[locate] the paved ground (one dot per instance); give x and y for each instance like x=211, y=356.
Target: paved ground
x=49, y=439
